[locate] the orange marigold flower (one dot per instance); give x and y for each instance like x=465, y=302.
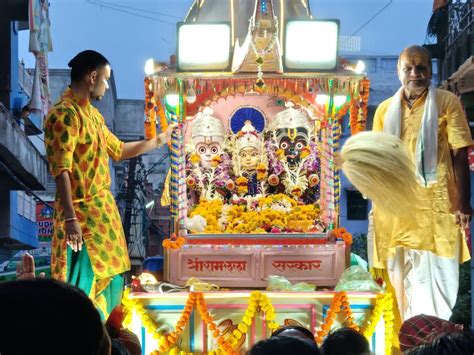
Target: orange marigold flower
x=241, y=181
x=280, y=154
x=195, y=159
x=305, y=151
x=216, y=160
x=297, y=192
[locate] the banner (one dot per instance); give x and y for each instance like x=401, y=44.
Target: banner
x=44, y=221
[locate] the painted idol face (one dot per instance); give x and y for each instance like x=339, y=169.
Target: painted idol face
x=207, y=149
x=249, y=158
x=292, y=143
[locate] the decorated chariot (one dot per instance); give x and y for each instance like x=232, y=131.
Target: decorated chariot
x=254, y=186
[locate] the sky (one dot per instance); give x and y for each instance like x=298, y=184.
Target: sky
x=128, y=32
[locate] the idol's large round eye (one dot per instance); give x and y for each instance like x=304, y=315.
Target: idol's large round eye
x=299, y=146
x=202, y=150
x=284, y=145
x=214, y=150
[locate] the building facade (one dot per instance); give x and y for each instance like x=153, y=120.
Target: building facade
x=23, y=169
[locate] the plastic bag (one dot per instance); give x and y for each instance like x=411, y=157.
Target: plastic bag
x=279, y=283
x=355, y=278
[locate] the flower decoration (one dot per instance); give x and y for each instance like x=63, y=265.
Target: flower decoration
x=242, y=185
x=258, y=302
x=174, y=242
x=230, y=185
x=273, y=180
x=261, y=172
x=342, y=233
x=339, y=302
x=305, y=152
x=216, y=160
x=280, y=154
x=313, y=180
x=191, y=181
x=194, y=158
x=296, y=191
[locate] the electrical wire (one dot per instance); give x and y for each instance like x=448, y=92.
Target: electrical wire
x=373, y=17
x=22, y=184
x=140, y=10
x=114, y=7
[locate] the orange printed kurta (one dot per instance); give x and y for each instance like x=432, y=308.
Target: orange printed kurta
x=77, y=140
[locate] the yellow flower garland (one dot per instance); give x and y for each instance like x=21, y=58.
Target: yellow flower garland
x=383, y=306
x=258, y=302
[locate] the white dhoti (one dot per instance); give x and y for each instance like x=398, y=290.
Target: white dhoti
x=424, y=283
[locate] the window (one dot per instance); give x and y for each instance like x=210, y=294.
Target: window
x=357, y=206
x=26, y=206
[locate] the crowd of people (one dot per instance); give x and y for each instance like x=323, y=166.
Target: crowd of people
x=52, y=317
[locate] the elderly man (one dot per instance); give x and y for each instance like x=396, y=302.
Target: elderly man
x=420, y=256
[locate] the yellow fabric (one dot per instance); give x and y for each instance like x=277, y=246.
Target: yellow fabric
x=435, y=228
x=78, y=141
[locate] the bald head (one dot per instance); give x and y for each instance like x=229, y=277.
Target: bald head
x=414, y=70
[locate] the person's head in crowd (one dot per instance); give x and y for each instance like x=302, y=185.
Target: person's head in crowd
x=447, y=344
x=282, y=345
x=48, y=317
x=118, y=333
x=345, y=341
x=294, y=331
x=90, y=72
x=423, y=329
x=118, y=348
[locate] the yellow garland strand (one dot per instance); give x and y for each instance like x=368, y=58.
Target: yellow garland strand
x=383, y=306
x=258, y=302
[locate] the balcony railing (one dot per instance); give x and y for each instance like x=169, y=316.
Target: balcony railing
x=460, y=19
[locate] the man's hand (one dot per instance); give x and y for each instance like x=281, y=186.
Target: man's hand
x=463, y=217
x=166, y=135
x=74, y=235
x=25, y=270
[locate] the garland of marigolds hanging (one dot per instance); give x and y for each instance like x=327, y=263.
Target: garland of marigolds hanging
x=258, y=302
x=383, y=305
x=173, y=242
x=363, y=105
x=339, y=302
x=358, y=107
x=153, y=108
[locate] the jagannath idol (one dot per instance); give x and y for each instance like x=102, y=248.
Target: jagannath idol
x=248, y=152
x=293, y=155
x=207, y=165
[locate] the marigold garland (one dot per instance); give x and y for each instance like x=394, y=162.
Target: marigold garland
x=340, y=301
x=383, y=306
x=353, y=113
x=174, y=242
x=363, y=105
x=342, y=233
x=242, y=185
x=258, y=302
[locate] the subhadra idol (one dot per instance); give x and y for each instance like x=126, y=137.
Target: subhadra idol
x=253, y=187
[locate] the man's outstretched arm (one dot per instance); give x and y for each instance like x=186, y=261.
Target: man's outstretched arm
x=133, y=149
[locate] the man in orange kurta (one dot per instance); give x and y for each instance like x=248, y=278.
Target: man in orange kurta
x=88, y=247
x=421, y=256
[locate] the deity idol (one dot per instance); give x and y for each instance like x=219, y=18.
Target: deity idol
x=293, y=155
x=248, y=151
x=249, y=159
x=207, y=165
